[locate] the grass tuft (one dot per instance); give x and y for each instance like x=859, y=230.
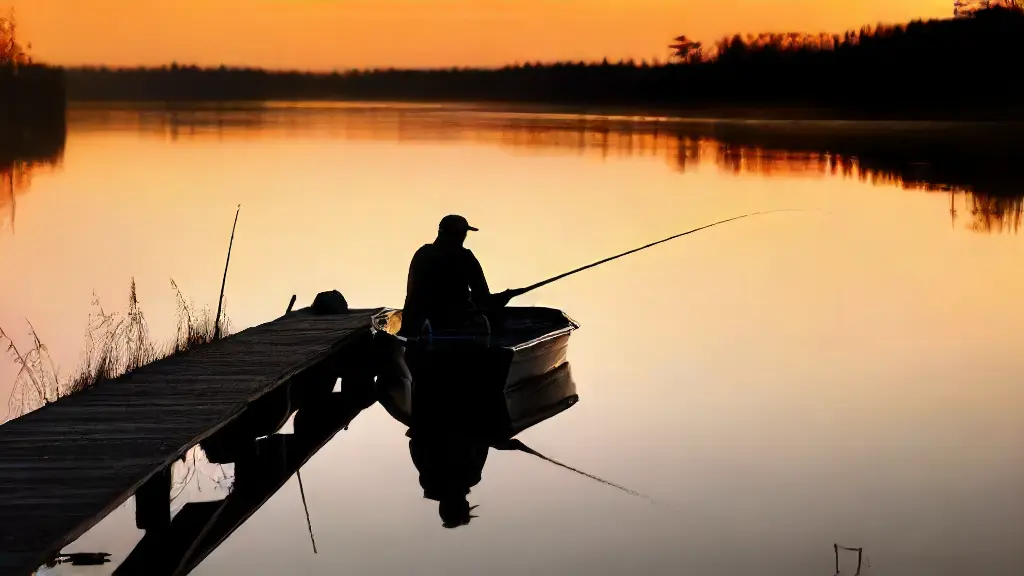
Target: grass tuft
x=116, y=344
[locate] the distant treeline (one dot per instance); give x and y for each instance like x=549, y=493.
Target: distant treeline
x=961, y=67
x=33, y=102
x=32, y=113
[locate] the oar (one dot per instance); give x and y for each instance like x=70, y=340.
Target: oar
x=521, y=291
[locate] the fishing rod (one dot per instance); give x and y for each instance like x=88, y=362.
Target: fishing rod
x=521, y=291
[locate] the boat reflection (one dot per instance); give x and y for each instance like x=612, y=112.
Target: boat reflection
x=261, y=468
x=461, y=397
x=450, y=434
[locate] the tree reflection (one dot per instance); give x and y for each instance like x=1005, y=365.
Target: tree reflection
x=995, y=214
x=975, y=163
x=15, y=179
x=21, y=158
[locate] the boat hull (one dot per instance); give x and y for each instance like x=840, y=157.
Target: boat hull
x=507, y=388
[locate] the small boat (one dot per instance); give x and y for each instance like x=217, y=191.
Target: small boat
x=512, y=367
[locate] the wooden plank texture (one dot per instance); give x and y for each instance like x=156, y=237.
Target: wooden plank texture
x=67, y=465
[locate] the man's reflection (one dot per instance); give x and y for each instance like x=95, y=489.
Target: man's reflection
x=449, y=466
x=448, y=439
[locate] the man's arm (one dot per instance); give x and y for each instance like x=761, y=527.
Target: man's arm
x=414, y=274
x=413, y=308
x=481, y=293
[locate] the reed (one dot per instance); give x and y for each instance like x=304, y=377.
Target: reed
x=116, y=344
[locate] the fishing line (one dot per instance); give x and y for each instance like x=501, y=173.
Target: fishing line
x=516, y=444
x=521, y=291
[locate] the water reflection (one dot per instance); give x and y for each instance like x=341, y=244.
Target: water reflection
x=448, y=445
x=788, y=384
x=246, y=469
x=22, y=155
x=976, y=164
x=459, y=395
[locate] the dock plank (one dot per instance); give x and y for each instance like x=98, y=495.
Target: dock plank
x=64, y=467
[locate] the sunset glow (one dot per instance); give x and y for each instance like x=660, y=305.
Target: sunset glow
x=338, y=34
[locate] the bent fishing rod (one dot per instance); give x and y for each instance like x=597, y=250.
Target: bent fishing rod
x=521, y=291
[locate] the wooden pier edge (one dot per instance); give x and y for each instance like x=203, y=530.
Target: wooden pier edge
x=25, y=559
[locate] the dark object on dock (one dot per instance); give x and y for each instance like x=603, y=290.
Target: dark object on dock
x=330, y=303
x=66, y=466
x=200, y=527
x=508, y=378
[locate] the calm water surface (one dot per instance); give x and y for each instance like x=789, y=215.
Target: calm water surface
x=776, y=385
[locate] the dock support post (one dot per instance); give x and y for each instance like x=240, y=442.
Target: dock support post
x=836, y=548
x=153, y=502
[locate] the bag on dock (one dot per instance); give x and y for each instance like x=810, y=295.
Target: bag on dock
x=329, y=303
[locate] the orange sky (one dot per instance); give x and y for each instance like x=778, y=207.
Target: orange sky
x=328, y=34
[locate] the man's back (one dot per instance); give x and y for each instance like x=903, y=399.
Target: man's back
x=442, y=280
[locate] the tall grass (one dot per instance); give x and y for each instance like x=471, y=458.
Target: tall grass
x=117, y=343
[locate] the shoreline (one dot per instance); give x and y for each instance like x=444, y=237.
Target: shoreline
x=792, y=118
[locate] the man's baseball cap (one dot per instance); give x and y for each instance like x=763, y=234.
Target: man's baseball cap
x=455, y=223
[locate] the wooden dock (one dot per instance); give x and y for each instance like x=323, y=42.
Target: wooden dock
x=64, y=467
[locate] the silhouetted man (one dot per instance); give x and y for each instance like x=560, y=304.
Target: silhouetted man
x=446, y=282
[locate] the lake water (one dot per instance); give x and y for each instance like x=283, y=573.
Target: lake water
x=776, y=385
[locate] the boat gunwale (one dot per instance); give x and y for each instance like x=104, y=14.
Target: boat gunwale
x=573, y=325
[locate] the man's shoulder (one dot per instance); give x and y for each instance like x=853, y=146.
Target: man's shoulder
x=446, y=250
x=424, y=250
x=469, y=256
x=432, y=253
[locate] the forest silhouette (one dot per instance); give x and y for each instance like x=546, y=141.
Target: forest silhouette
x=961, y=67
x=33, y=125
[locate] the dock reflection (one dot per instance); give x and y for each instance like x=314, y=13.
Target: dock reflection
x=261, y=467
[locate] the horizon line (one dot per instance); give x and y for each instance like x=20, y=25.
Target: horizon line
x=667, y=60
